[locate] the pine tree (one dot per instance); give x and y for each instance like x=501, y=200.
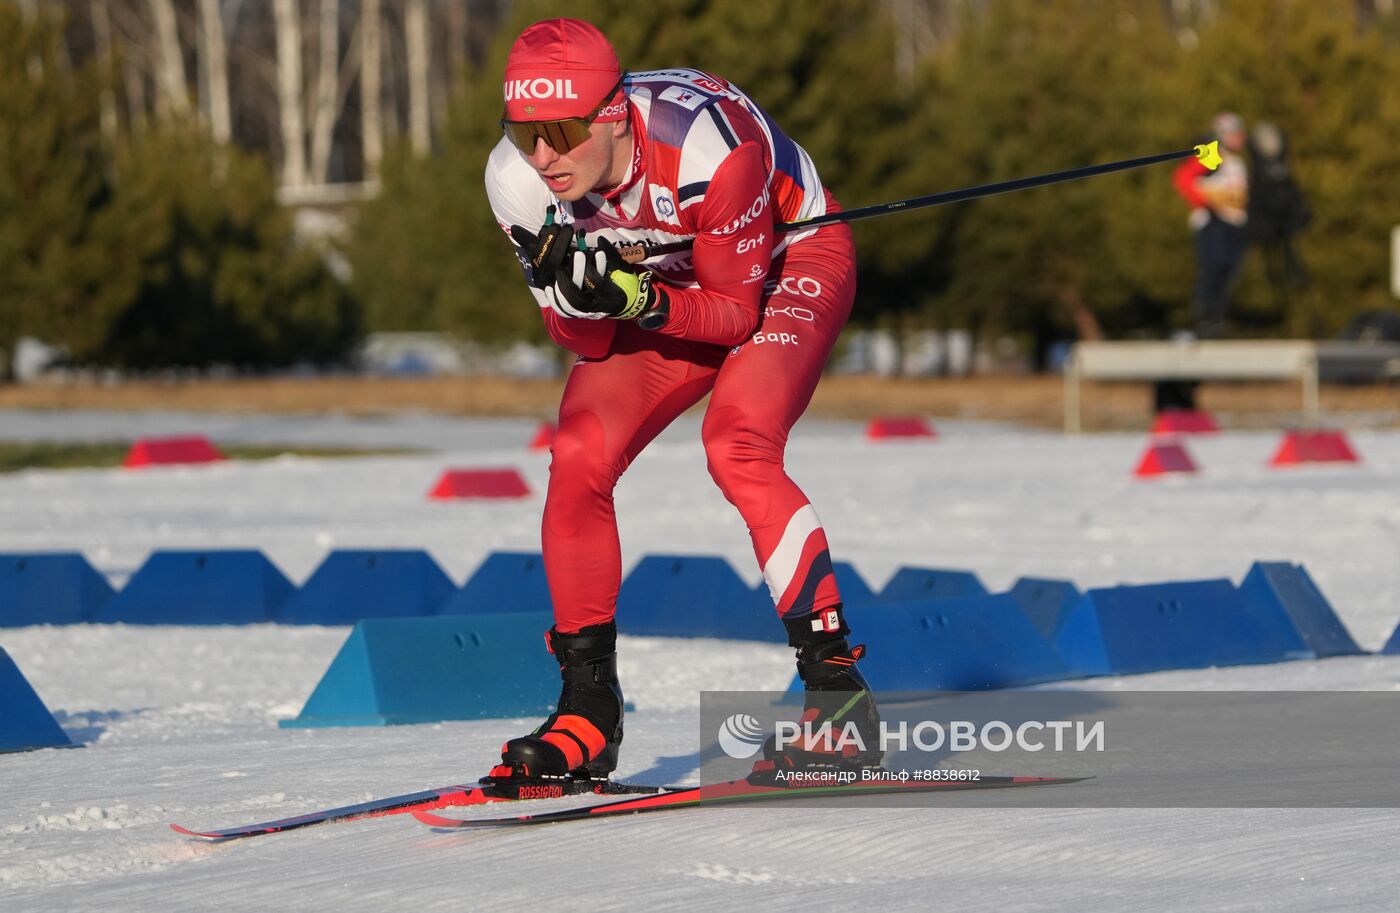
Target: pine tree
x=217, y=275
x=53, y=183
x=1033, y=87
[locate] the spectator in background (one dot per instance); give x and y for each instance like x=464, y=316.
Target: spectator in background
x=1277, y=209
x=1219, y=203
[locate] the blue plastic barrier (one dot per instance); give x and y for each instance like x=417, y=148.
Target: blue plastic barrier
x=1046, y=602
x=199, y=588
x=695, y=596
x=57, y=588
x=505, y=582
x=965, y=643
x=393, y=671
x=353, y=585
x=1186, y=625
x=1283, y=596
x=916, y=583
x=1392, y=646
x=25, y=723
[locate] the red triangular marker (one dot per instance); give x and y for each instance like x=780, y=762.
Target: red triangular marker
x=155, y=451
x=457, y=484
x=896, y=426
x=1313, y=447
x=1164, y=456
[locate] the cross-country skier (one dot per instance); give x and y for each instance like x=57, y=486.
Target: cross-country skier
x=593, y=157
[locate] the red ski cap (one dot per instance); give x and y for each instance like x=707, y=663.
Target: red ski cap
x=562, y=68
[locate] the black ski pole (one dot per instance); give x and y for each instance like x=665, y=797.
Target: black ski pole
x=1208, y=155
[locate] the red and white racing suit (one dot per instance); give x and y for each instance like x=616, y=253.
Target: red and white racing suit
x=753, y=319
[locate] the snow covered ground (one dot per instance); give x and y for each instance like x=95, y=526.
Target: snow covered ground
x=180, y=723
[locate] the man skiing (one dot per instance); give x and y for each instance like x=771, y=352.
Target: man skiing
x=593, y=158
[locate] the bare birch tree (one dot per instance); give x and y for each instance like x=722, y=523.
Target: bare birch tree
x=214, y=58
x=289, y=83
x=102, y=38
x=173, y=96
x=326, y=108
x=402, y=57
x=416, y=45
x=371, y=128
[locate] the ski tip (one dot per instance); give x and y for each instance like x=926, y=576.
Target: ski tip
x=181, y=829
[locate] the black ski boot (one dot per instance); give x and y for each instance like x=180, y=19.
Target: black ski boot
x=836, y=694
x=580, y=739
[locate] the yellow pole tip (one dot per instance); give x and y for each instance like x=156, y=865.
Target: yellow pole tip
x=1209, y=154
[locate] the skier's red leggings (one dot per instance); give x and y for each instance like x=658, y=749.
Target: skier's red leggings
x=614, y=406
